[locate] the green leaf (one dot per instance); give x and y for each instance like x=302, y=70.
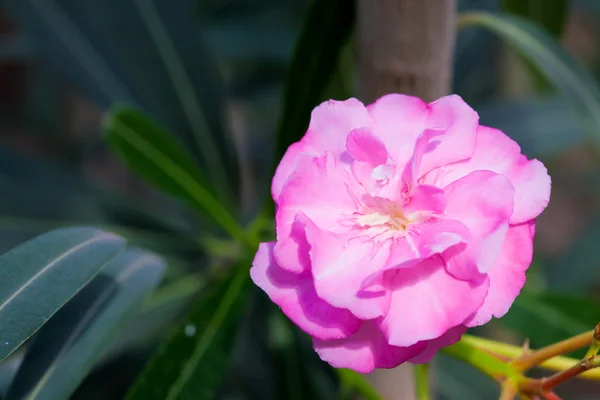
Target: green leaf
x=156, y=315
x=325, y=30
x=542, y=127
x=146, y=53
x=549, y=14
x=155, y=156
x=550, y=317
x=581, y=259
x=192, y=361
x=573, y=82
x=38, y=277
x=69, y=345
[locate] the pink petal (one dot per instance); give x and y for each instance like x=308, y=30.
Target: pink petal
x=423, y=145
x=427, y=301
x=364, y=351
x=483, y=201
x=497, y=152
x=507, y=277
x=330, y=123
x=287, y=165
x=318, y=189
x=426, y=198
x=339, y=266
x=427, y=239
x=459, y=121
x=451, y=336
x=292, y=252
x=399, y=120
x=296, y=296
x=363, y=146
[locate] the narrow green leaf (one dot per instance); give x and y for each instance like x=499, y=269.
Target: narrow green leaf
x=69, y=345
x=158, y=313
x=326, y=28
x=192, y=361
x=40, y=276
x=573, y=82
x=549, y=14
x=149, y=151
x=550, y=317
x=145, y=53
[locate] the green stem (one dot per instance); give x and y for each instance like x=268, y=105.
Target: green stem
x=481, y=360
x=422, y=381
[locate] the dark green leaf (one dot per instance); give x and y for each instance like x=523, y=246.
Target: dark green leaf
x=154, y=155
x=40, y=276
x=549, y=14
x=581, y=260
x=156, y=315
x=69, y=345
x=550, y=317
x=193, y=360
x=142, y=52
x=573, y=82
x=326, y=28
x=542, y=127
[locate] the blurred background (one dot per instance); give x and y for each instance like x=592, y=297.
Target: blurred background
x=64, y=63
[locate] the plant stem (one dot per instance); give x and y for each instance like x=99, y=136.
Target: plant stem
x=422, y=381
x=566, y=346
x=558, y=363
x=509, y=391
x=544, y=385
x=481, y=360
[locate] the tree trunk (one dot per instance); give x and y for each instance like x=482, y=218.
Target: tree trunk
x=404, y=46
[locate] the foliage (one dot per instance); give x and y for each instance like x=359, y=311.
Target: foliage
x=170, y=74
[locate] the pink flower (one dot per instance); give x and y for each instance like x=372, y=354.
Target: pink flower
x=399, y=225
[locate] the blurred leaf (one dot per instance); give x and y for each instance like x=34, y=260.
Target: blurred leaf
x=156, y=315
x=40, y=276
x=192, y=361
x=326, y=28
x=69, y=345
x=455, y=381
x=549, y=317
x=151, y=153
x=581, y=259
x=142, y=52
x=549, y=14
x=357, y=383
x=264, y=34
x=574, y=83
x=542, y=127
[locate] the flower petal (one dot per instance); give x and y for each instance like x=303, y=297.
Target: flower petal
x=399, y=120
x=339, y=266
x=483, y=201
x=296, y=296
x=451, y=336
x=365, y=351
x=318, y=189
x=507, y=277
x=459, y=121
x=427, y=301
x=426, y=198
x=330, y=123
x=497, y=152
x=427, y=239
x=364, y=146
